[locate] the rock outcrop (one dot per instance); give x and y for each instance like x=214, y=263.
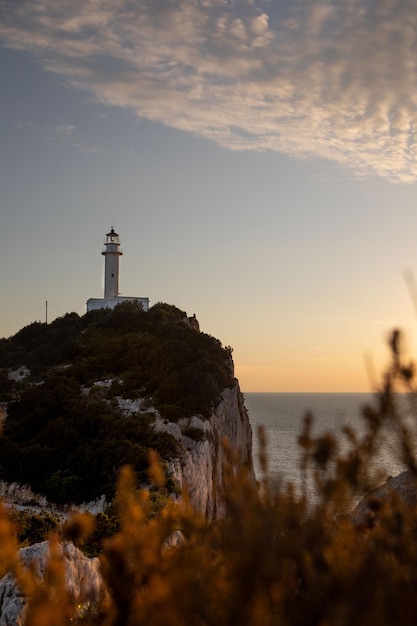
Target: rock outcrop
x=403, y=486
x=83, y=580
x=200, y=467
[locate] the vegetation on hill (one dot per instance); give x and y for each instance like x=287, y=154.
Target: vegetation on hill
x=65, y=435
x=277, y=559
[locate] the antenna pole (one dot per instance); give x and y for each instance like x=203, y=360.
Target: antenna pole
x=46, y=311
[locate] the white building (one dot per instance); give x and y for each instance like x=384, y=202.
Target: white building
x=112, y=252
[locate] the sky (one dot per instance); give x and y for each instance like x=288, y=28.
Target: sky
x=257, y=158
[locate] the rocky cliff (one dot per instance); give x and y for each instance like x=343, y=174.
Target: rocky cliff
x=401, y=489
x=82, y=579
x=87, y=395
x=200, y=467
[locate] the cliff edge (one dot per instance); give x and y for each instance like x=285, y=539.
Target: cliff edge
x=200, y=467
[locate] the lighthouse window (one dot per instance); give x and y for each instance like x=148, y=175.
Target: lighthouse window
x=112, y=275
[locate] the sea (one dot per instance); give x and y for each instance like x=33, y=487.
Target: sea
x=281, y=415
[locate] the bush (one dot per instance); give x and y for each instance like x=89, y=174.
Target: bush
x=33, y=527
x=6, y=386
x=69, y=447
x=151, y=354
x=194, y=433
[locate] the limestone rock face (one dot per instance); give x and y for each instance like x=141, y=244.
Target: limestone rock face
x=83, y=580
x=404, y=486
x=199, y=469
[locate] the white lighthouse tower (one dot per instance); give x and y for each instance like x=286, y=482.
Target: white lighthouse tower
x=111, y=252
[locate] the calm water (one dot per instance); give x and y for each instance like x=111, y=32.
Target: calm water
x=282, y=414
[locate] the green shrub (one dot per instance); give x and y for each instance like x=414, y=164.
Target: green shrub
x=69, y=447
x=194, y=433
x=33, y=527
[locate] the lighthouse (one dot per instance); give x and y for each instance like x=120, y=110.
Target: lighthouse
x=112, y=252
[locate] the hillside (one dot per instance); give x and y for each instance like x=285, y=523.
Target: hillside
x=67, y=386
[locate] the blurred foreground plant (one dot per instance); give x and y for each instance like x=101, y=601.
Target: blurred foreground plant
x=279, y=558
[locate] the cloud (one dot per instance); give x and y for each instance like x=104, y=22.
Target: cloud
x=328, y=79
x=60, y=131
x=70, y=134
